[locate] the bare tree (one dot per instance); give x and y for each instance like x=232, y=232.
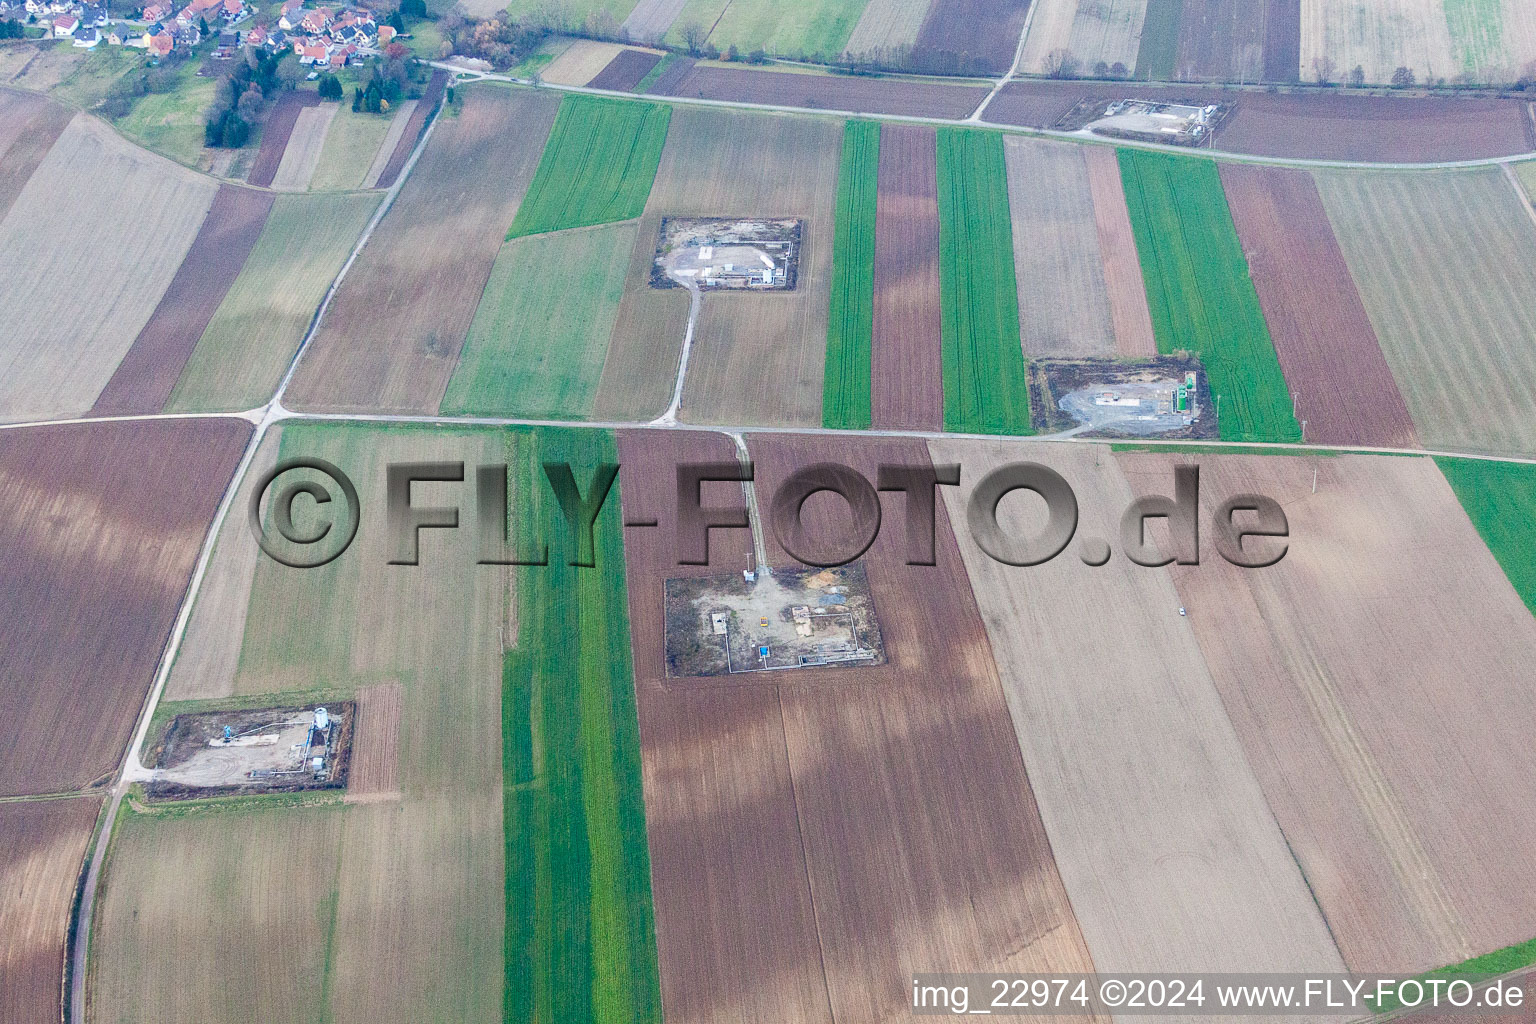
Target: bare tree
x=1357, y=76
x=693, y=38
x=1061, y=64
x=1403, y=78
x=1324, y=68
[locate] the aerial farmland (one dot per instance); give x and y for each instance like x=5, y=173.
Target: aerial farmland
x=697, y=511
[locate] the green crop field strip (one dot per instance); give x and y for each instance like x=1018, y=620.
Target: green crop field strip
x=789, y=28
x=985, y=379
x=845, y=402
x=1200, y=295
x=580, y=926
x=597, y=167
x=1526, y=172
x=1445, y=263
x=1159, y=49
x=242, y=354
x=1500, y=961
x=1500, y=499
x=350, y=146
x=1477, y=33
x=172, y=122
x=540, y=335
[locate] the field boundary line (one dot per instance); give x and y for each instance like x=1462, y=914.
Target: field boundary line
x=1525, y=199
x=467, y=77
x=131, y=769
x=279, y=413
x=252, y=416
x=1013, y=69
x=378, y=215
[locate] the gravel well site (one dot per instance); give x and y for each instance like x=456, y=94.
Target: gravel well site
x=907, y=348
x=757, y=357
x=1377, y=677
x=391, y=338
x=101, y=524
x=415, y=883
x=924, y=846
x=1373, y=129
x=719, y=797
x=143, y=381
x=1327, y=347
x=767, y=793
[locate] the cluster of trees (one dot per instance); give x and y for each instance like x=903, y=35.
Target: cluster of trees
x=11, y=29
x=385, y=84
x=330, y=87
x=906, y=59
x=240, y=95
x=123, y=92
x=501, y=42
x=1061, y=64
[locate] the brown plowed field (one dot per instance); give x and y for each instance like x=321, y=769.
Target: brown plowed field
x=985, y=31
x=883, y=814
x=42, y=847
x=824, y=92
x=906, y=358
x=1063, y=304
x=757, y=357
x=424, y=108
x=1169, y=853
x=100, y=524
x=735, y=930
x=143, y=380
x=624, y=72
x=29, y=126
x=305, y=142
x=391, y=338
x=924, y=844
x=1379, y=678
x=1344, y=388
x=1123, y=285
x=1282, y=41
x=1240, y=40
x=375, y=767
x=1377, y=129
x=274, y=134
x=666, y=84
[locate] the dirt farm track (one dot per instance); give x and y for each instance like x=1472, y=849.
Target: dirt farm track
x=611, y=787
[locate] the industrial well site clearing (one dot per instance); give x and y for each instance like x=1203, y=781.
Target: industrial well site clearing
x=534, y=773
